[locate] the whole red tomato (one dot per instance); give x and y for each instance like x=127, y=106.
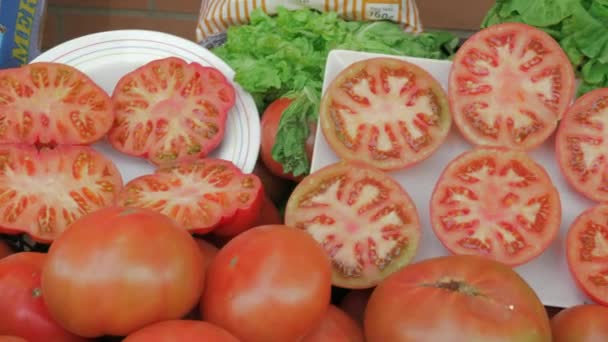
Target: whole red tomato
x=119, y=269
x=270, y=283
x=5, y=249
x=208, y=250
x=354, y=304
x=181, y=331
x=472, y=297
x=12, y=339
x=24, y=312
x=270, y=124
x=275, y=187
x=336, y=326
x=582, y=323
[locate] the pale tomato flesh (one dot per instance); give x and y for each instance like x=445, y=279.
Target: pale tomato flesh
x=456, y=298
x=496, y=203
x=200, y=195
x=43, y=191
x=169, y=110
x=364, y=219
x=509, y=86
x=386, y=112
x=51, y=103
x=587, y=252
x=582, y=145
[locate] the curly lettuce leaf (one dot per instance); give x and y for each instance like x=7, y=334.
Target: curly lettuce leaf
x=285, y=56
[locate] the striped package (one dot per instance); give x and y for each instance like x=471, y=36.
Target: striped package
x=217, y=15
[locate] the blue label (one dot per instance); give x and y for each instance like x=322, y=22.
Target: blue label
x=20, y=31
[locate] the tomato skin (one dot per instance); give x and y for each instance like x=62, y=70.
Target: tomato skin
x=208, y=251
x=24, y=312
x=336, y=326
x=270, y=283
x=5, y=249
x=270, y=124
x=581, y=323
x=181, y=331
x=275, y=187
x=267, y=215
x=12, y=339
x=354, y=304
x=474, y=298
x=117, y=261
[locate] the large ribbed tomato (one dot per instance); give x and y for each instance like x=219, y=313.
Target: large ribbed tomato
x=117, y=270
x=456, y=298
x=270, y=283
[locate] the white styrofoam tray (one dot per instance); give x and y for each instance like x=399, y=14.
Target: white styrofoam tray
x=548, y=274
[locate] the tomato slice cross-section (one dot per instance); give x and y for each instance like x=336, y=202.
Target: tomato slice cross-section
x=496, y=203
x=43, y=191
x=587, y=252
x=52, y=103
x=385, y=112
x=582, y=145
x=170, y=111
x=364, y=219
x=200, y=196
x=509, y=86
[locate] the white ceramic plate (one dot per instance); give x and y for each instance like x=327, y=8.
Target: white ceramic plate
x=548, y=274
x=107, y=56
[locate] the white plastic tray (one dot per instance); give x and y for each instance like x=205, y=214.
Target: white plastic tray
x=548, y=274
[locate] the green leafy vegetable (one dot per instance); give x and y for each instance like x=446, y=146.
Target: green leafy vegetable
x=285, y=56
x=580, y=26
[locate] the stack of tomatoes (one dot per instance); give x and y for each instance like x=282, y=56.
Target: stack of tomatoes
x=198, y=251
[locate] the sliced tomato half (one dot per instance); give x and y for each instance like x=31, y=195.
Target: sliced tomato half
x=169, y=111
x=200, y=195
x=43, y=191
x=582, y=145
x=587, y=252
x=364, y=219
x=509, y=86
x=496, y=203
x=385, y=112
x=51, y=103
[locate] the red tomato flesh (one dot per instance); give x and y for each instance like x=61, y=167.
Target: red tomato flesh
x=582, y=145
x=509, y=86
x=581, y=323
x=51, y=103
x=364, y=219
x=169, y=110
x=24, y=312
x=200, y=195
x=496, y=203
x=181, y=331
x=270, y=283
x=123, y=268
x=456, y=298
x=587, y=252
x=385, y=112
x=44, y=191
